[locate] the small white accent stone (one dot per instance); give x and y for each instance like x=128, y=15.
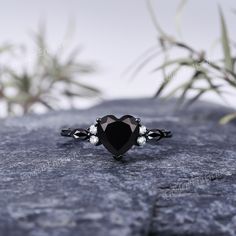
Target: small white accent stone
x=93, y=139
x=93, y=129
x=141, y=140
x=142, y=130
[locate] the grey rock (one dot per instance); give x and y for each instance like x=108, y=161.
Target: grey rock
x=51, y=185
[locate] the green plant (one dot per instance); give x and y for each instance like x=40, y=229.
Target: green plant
x=206, y=75
x=52, y=77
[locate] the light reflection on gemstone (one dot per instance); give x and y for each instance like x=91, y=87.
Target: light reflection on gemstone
x=93, y=139
x=93, y=129
x=142, y=130
x=141, y=140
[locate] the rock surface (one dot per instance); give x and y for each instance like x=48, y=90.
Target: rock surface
x=54, y=186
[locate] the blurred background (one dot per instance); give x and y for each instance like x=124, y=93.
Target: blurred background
x=113, y=39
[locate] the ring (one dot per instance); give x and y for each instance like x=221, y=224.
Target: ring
x=117, y=135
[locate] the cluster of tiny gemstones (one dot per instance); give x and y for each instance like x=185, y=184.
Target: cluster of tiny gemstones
x=93, y=131
x=141, y=140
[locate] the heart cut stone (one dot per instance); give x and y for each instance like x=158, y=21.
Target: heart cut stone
x=118, y=135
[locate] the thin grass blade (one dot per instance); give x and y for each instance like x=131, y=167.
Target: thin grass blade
x=225, y=42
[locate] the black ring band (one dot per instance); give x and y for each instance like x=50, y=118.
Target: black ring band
x=82, y=134
x=117, y=135
x=159, y=134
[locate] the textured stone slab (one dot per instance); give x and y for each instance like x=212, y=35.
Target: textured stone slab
x=50, y=185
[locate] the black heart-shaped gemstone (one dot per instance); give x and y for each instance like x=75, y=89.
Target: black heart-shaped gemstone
x=118, y=135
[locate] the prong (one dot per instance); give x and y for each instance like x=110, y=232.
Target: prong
x=98, y=119
x=118, y=158
x=138, y=120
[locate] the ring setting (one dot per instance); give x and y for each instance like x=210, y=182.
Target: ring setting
x=117, y=135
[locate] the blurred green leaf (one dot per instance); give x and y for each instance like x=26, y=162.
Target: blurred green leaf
x=21, y=81
x=180, y=61
x=45, y=103
x=227, y=118
x=188, y=86
x=225, y=42
x=6, y=48
x=215, y=74
x=90, y=89
x=215, y=88
x=167, y=80
x=140, y=58
x=175, y=90
x=144, y=63
x=179, y=14
x=196, y=97
x=156, y=23
x=43, y=84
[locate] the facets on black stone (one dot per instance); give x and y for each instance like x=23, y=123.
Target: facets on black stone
x=118, y=135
